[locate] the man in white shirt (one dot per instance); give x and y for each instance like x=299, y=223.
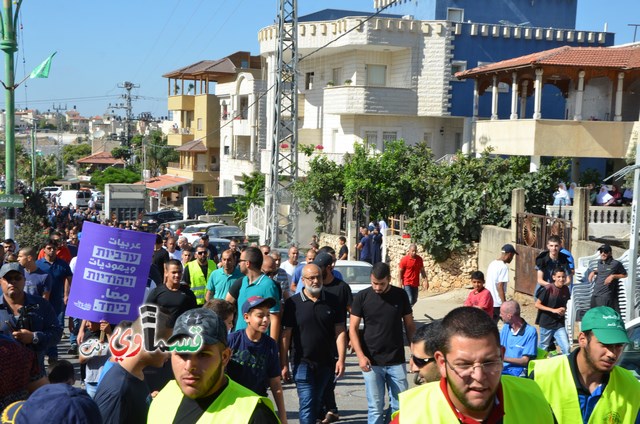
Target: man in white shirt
x=498, y=277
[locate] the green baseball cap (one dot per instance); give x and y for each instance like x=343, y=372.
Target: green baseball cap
x=606, y=324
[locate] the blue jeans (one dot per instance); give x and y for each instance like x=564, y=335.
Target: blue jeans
x=395, y=378
x=560, y=334
x=310, y=384
x=412, y=292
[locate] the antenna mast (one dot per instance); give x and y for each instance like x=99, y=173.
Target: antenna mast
x=284, y=140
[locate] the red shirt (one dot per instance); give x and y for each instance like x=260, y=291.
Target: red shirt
x=412, y=268
x=481, y=299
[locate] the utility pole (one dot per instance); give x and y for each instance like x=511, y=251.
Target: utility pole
x=635, y=30
x=284, y=139
x=128, y=107
x=9, y=46
x=34, y=140
x=60, y=130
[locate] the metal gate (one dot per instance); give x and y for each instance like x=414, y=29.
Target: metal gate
x=532, y=233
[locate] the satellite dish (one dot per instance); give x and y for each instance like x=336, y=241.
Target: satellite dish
x=98, y=134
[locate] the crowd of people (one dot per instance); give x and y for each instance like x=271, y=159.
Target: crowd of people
x=605, y=195
x=259, y=323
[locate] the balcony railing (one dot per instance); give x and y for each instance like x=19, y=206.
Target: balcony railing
x=597, y=214
x=195, y=168
x=182, y=131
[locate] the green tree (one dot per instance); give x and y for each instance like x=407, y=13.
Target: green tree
x=209, y=205
x=72, y=152
x=114, y=175
x=253, y=187
x=323, y=185
x=159, y=154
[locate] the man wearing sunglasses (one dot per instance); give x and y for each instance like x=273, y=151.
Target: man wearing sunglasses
x=426, y=341
x=471, y=388
x=197, y=272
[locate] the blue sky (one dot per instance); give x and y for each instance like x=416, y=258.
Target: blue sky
x=100, y=46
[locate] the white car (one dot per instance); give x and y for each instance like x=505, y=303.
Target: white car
x=194, y=232
x=355, y=273
x=51, y=191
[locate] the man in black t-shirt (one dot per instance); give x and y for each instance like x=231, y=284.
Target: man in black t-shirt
x=380, y=352
x=547, y=261
x=314, y=321
x=607, y=277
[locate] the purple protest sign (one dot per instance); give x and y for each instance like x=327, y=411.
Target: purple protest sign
x=111, y=273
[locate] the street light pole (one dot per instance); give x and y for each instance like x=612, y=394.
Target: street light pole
x=9, y=46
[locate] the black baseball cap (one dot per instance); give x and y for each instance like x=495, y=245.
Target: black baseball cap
x=214, y=330
x=323, y=260
x=605, y=248
x=508, y=248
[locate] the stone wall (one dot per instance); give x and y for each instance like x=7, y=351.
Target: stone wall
x=453, y=273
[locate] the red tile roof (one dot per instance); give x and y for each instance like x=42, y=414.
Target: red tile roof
x=165, y=181
x=620, y=58
x=101, y=158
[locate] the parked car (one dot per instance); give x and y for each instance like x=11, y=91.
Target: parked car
x=195, y=231
x=630, y=358
x=228, y=232
x=51, y=191
x=176, y=227
x=152, y=220
x=355, y=273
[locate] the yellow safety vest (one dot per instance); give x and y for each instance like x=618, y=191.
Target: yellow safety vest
x=619, y=403
x=523, y=403
x=198, y=280
x=235, y=404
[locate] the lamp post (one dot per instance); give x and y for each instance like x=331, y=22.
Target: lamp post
x=9, y=46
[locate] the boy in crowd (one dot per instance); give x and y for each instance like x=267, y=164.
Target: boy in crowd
x=479, y=296
x=254, y=360
x=552, y=305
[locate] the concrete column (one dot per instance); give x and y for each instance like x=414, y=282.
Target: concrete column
x=580, y=217
x=534, y=164
x=537, y=101
x=476, y=98
x=352, y=238
x=494, y=98
x=523, y=99
x=579, y=96
x=618, y=112
x=514, y=96
x=253, y=123
x=517, y=206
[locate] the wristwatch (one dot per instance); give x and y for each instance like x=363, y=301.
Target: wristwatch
x=35, y=340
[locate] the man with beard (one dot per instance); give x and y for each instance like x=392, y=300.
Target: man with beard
x=384, y=309
x=314, y=320
x=587, y=386
x=426, y=341
x=471, y=388
x=201, y=392
x=221, y=279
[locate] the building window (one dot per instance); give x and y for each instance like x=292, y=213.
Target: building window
x=336, y=76
x=376, y=75
x=457, y=66
x=199, y=125
x=244, y=107
x=455, y=15
x=198, y=189
x=427, y=138
x=458, y=141
x=227, y=151
x=388, y=136
x=308, y=81
x=225, y=111
x=371, y=139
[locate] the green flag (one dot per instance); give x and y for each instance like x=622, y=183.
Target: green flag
x=42, y=71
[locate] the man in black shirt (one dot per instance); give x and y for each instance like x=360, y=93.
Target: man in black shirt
x=174, y=297
x=314, y=320
x=380, y=352
x=607, y=277
x=547, y=261
x=333, y=285
x=201, y=392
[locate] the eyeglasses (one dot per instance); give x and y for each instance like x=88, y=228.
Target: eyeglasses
x=466, y=370
x=201, y=253
x=422, y=362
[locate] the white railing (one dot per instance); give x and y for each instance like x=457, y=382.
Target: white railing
x=597, y=214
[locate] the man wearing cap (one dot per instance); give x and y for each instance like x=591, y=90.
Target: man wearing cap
x=607, y=277
x=197, y=272
x=201, y=392
x=587, y=386
x=28, y=319
x=548, y=261
x=498, y=277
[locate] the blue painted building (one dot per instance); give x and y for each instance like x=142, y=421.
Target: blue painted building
x=488, y=31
